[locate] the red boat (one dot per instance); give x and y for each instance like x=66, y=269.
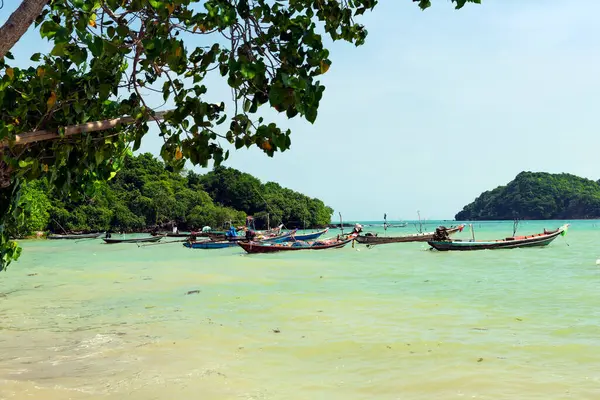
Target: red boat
x=266, y=247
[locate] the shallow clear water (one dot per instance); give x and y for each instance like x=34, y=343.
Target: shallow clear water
x=93, y=321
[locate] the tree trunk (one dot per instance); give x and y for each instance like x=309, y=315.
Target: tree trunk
x=18, y=23
x=4, y=174
x=6, y=194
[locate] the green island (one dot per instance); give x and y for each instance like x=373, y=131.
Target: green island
x=537, y=196
x=146, y=194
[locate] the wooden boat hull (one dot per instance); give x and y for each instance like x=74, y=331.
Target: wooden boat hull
x=80, y=236
x=262, y=247
x=209, y=245
x=539, y=240
x=417, y=237
x=136, y=240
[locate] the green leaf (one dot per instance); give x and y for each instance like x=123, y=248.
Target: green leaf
x=460, y=4
x=248, y=71
x=35, y=57
x=311, y=114
x=104, y=90
x=96, y=46
x=99, y=157
x=78, y=55
x=276, y=95
x=239, y=143
x=291, y=112
x=223, y=69
x=325, y=64
x=123, y=31
x=58, y=50
x=423, y=4
x=221, y=120
x=137, y=143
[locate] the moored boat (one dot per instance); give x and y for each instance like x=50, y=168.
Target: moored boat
x=415, y=237
x=171, y=234
x=222, y=235
x=75, y=236
x=443, y=243
x=232, y=238
x=278, y=237
x=110, y=240
x=208, y=244
x=270, y=247
x=303, y=236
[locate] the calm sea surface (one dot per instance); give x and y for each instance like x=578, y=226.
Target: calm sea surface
x=93, y=321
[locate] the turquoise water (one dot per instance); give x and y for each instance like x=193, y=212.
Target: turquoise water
x=93, y=321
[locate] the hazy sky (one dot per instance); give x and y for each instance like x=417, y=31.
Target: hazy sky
x=439, y=106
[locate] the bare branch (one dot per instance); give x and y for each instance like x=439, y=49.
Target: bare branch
x=18, y=23
x=39, y=136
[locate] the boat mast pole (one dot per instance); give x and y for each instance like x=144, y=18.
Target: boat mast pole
x=341, y=223
x=385, y=223
x=420, y=224
x=472, y=232
x=268, y=223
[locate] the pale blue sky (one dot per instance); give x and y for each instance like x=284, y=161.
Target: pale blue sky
x=439, y=106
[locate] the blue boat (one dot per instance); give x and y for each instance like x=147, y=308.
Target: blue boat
x=305, y=236
x=209, y=245
x=279, y=238
x=233, y=239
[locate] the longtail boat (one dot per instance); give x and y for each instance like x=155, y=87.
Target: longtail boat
x=258, y=237
x=134, y=240
x=171, y=234
x=270, y=247
x=75, y=236
x=221, y=235
x=443, y=243
x=275, y=237
x=210, y=244
x=303, y=236
x=415, y=237
x=231, y=241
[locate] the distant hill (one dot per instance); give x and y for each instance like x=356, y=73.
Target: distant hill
x=537, y=195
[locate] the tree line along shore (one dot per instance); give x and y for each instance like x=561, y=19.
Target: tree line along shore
x=147, y=195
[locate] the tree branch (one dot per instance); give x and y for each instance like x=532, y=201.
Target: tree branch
x=39, y=136
x=18, y=23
